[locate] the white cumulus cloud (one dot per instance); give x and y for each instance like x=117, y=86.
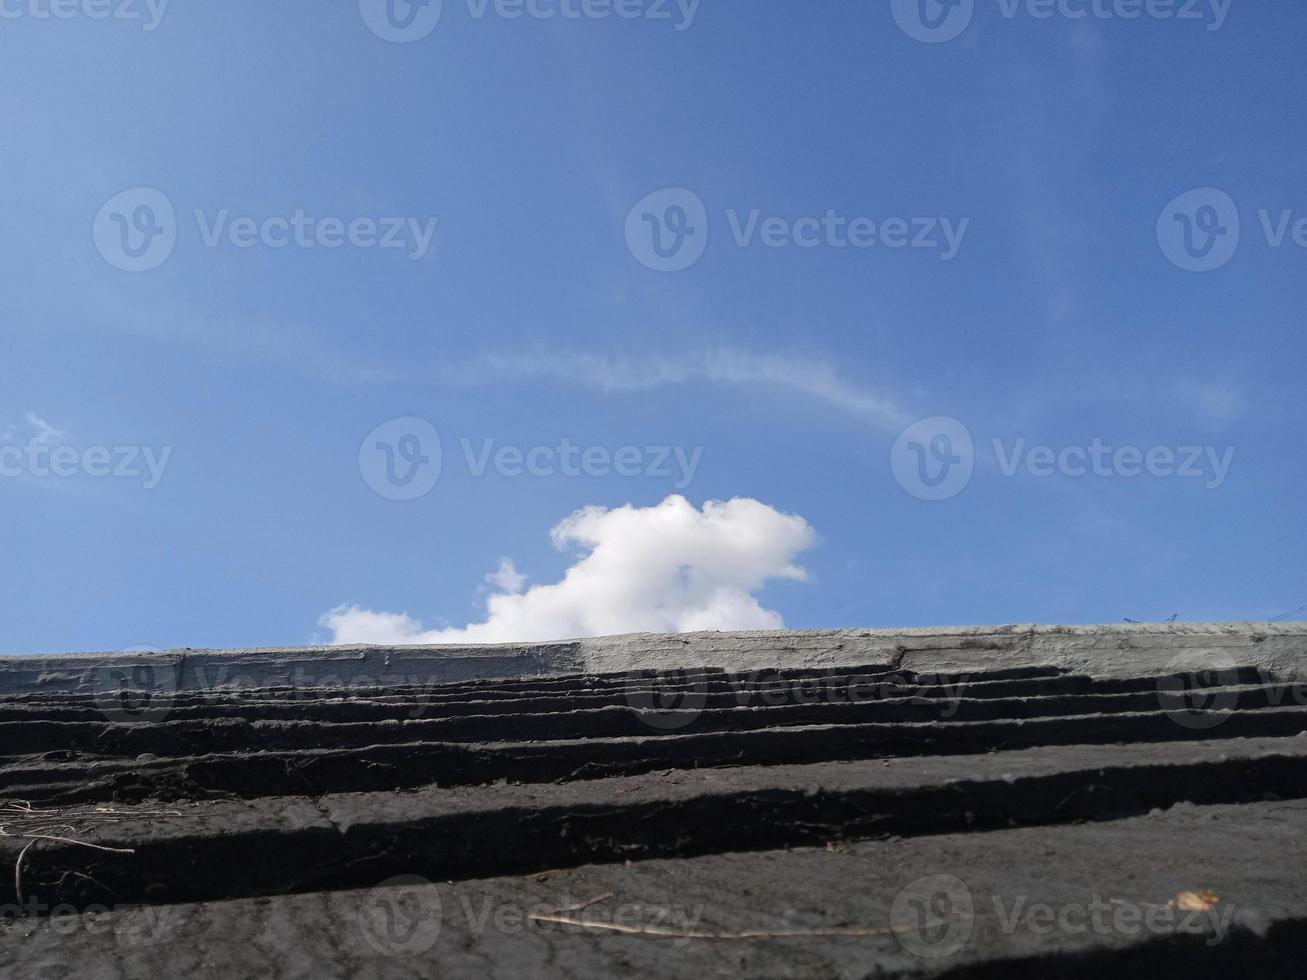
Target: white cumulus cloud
x=670, y=568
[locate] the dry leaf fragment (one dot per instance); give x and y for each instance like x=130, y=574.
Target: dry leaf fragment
x=1203, y=901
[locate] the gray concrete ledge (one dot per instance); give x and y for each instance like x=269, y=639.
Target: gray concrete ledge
x=1117, y=650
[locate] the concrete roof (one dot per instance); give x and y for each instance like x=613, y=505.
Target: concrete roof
x=852, y=803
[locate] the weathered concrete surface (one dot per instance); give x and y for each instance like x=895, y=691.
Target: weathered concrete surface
x=185, y=852
x=1103, y=651
x=1064, y=902
x=269, y=796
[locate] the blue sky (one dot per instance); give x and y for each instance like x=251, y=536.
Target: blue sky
x=786, y=358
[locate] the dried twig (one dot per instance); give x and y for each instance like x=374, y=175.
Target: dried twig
x=68, y=840
x=560, y=917
x=537, y=875
x=45, y=825
x=543, y=916
x=18, y=872
x=663, y=932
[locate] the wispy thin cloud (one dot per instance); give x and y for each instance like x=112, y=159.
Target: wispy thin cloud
x=1218, y=402
x=33, y=429
x=254, y=340
x=292, y=345
x=43, y=433
x=814, y=379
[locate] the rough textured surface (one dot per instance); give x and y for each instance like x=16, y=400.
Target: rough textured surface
x=1103, y=880
x=194, y=851
x=1124, y=650
x=402, y=812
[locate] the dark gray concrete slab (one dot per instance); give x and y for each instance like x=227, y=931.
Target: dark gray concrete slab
x=1002, y=830
x=1084, y=901
x=194, y=851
